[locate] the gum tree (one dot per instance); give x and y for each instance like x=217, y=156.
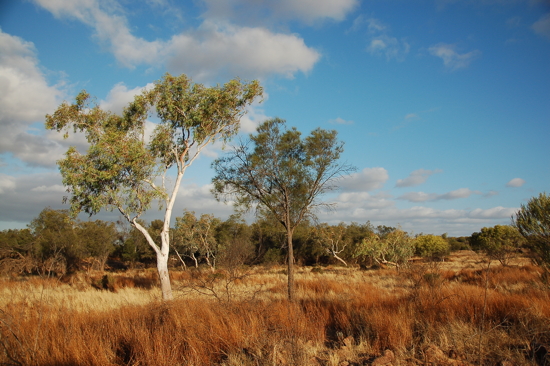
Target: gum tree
x=282, y=173
x=126, y=171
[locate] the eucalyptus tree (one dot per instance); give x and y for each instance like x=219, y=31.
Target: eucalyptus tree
x=280, y=172
x=332, y=239
x=194, y=235
x=126, y=171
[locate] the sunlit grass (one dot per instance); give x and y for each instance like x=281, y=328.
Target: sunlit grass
x=438, y=313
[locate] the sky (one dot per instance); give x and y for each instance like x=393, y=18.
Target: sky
x=443, y=105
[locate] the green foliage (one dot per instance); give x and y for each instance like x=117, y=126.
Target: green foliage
x=97, y=238
x=459, y=243
x=431, y=246
x=56, y=241
x=281, y=173
x=394, y=247
x=533, y=223
x=500, y=242
x=197, y=236
x=120, y=169
x=234, y=237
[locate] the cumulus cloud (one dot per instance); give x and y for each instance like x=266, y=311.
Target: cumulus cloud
x=248, y=52
x=423, y=197
x=542, y=26
x=216, y=47
x=380, y=209
x=23, y=197
x=119, y=97
x=25, y=97
x=516, y=182
x=368, y=179
x=451, y=58
x=416, y=178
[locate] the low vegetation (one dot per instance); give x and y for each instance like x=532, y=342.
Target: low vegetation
x=465, y=310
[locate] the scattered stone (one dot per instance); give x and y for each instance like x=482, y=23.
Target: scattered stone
x=348, y=342
x=386, y=359
x=436, y=356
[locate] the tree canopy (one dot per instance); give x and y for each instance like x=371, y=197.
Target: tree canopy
x=126, y=170
x=279, y=171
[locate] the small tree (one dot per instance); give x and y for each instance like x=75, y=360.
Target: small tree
x=533, y=223
x=121, y=171
x=431, y=246
x=387, y=247
x=197, y=236
x=332, y=239
x=98, y=238
x=282, y=173
x=500, y=242
x=57, y=247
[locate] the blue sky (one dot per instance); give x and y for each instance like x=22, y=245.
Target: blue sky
x=443, y=105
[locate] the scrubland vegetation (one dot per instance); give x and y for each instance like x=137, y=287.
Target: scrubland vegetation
x=465, y=310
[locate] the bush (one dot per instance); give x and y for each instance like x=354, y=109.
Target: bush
x=533, y=223
x=500, y=242
x=431, y=246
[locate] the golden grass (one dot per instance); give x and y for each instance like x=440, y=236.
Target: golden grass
x=426, y=314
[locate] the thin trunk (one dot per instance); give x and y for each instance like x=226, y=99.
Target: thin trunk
x=291, y=292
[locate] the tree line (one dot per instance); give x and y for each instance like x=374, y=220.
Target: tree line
x=56, y=244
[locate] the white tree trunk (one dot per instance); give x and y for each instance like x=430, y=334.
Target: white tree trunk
x=162, y=267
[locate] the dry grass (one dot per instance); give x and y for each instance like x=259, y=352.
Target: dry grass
x=428, y=314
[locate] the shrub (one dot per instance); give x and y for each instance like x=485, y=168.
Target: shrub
x=431, y=246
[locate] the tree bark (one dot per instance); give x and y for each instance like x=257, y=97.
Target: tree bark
x=291, y=292
x=165, y=286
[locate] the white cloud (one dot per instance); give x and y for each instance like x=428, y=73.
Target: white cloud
x=254, y=116
x=542, y=26
x=55, y=188
x=423, y=197
x=255, y=12
x=452, y=59
x=119, y=97
x=418, y=196
x=368, y=179
x=214, y=48
x=516, y=182
x=381, y=210
x=25, y=97
x=247, y=52
x=416, y=178
x=340, y=121
x=7, y=183
x=493, y=213
x=391, y=47
x=380, y=42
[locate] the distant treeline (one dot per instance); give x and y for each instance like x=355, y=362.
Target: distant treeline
x=56, y=244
